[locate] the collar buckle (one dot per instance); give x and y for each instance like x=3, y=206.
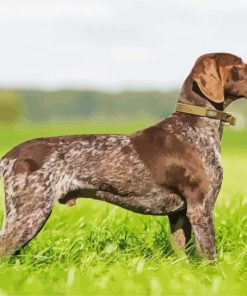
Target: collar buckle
x=212, y=114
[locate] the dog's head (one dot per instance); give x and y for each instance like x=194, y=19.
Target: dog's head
x=221, y=77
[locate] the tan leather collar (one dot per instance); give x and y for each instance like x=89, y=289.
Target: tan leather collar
x=225, y=117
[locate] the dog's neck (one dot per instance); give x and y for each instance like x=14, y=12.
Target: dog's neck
x=191, y=94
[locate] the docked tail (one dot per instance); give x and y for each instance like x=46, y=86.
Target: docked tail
x=3, y=166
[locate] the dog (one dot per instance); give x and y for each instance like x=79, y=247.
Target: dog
x=172, y=168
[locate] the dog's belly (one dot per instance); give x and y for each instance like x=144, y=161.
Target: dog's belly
x=158, y=201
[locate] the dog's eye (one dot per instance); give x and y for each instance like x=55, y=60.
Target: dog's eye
x=238, y=63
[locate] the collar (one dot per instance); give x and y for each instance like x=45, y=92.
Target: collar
x=225, y=117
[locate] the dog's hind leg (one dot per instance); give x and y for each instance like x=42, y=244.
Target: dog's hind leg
x=25, y=215
x=180, y=230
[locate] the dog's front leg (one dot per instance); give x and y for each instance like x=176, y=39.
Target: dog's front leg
x=201, y=220
x=181, y=230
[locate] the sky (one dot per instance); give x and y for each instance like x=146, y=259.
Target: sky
x=114, y=44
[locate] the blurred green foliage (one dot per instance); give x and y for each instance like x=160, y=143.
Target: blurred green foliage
x=10, y=106
x=41, y=106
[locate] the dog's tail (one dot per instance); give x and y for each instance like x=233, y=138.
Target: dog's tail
x=3, y=166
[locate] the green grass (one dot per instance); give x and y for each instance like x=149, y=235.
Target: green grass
x=99, y=249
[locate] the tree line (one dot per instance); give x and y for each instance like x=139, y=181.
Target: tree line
x=35, y=105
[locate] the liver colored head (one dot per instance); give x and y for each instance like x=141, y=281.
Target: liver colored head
x=221, y=77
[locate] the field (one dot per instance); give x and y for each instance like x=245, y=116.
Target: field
x=98, y=249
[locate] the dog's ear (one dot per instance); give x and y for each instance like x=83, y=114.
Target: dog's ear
x=206, y=74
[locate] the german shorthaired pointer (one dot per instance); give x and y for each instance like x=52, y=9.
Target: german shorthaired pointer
x=172, y=168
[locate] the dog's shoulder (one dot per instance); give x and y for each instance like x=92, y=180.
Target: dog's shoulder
x=164, y=148
x=162, y=138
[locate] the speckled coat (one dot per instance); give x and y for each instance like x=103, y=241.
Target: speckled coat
x=172, y=168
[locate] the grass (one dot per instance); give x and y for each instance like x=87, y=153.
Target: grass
x=99, y=249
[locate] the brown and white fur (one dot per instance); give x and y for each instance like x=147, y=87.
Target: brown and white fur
x=172, y=168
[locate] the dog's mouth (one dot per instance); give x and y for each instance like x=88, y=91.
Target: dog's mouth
x=236, y=97
x=241, y=97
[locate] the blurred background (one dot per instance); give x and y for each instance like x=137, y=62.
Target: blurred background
x=87, y=66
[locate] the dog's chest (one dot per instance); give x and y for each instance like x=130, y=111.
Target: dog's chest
x=206, y=138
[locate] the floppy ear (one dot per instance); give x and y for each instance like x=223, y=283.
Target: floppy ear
x=206, y=75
